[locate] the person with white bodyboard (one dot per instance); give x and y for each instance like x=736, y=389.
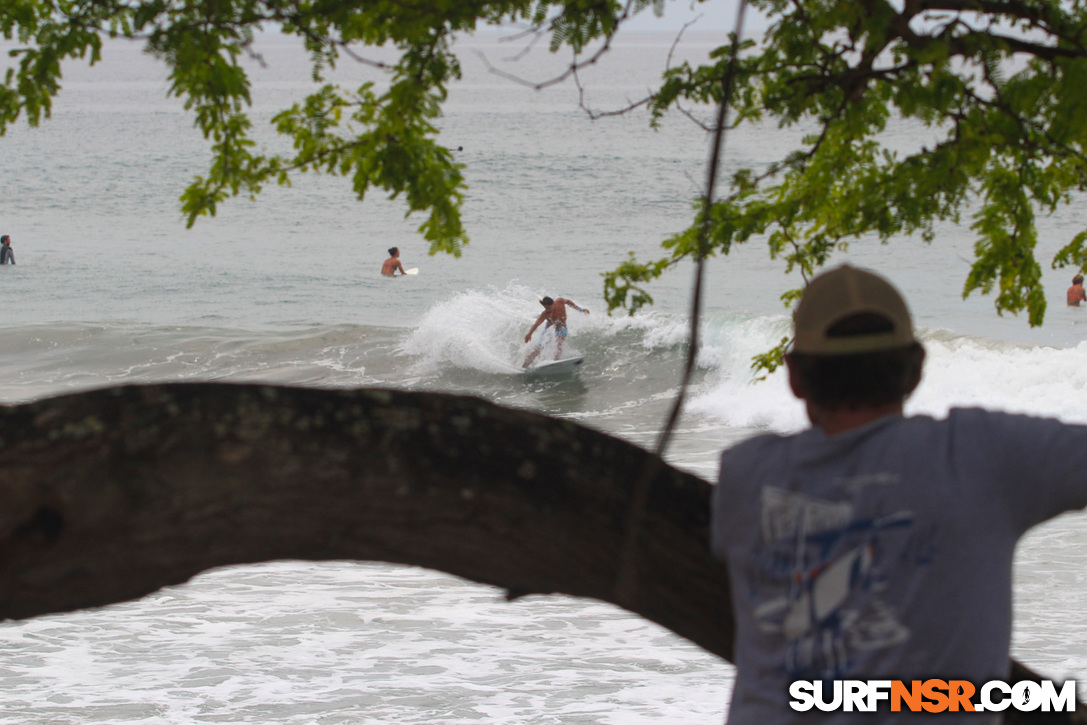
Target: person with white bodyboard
x=393, y=264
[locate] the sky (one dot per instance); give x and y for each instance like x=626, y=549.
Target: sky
x=714, y=15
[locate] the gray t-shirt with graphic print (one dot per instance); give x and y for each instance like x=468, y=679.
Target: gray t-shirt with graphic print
x=884, y=552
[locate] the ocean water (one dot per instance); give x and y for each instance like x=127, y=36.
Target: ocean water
x=110, y=288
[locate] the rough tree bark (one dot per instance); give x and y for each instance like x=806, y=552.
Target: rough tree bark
x=109, y=495
x=112, y=494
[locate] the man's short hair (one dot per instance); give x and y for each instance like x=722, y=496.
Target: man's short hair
x=4, y=239
x=854, y=345
x=547, y=302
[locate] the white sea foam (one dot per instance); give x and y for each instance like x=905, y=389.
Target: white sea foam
x=305, y=643
x=1043, y=381
x=959, y=372
x=475, y=329
x=484, y=330
x=732, y=392
x=657, y=330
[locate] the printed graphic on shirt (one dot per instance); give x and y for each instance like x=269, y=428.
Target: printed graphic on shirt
x=821, y=578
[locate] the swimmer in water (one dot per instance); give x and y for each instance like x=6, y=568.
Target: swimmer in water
x=392, y=263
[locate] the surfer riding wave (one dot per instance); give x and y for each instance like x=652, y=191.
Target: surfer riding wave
x=554, y=315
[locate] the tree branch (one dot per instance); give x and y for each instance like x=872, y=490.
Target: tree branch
x=109, y=495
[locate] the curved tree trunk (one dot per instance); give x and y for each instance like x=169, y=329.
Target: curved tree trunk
x=112, y=494
x=109, y=495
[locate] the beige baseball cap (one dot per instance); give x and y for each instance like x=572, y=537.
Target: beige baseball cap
x=841, y=293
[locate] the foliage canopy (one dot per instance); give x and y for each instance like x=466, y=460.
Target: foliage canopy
x=1001, y=86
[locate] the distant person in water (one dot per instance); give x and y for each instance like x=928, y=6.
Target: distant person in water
x=1075, y=292
x=554, y=315
x=392, y=263
x=7, y=254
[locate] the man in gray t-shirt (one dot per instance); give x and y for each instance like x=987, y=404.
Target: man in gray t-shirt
x=874, y=546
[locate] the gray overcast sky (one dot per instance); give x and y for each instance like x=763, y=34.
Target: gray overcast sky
x=717, y=15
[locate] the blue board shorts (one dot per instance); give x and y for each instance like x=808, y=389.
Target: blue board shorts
x=557, y=330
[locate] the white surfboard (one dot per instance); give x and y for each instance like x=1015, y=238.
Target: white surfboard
x=556, y=367
x=413, y=270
